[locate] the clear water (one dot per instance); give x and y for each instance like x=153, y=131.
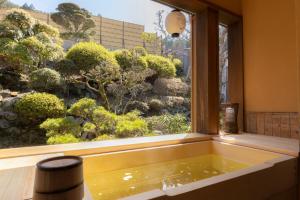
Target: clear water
x=164, y=175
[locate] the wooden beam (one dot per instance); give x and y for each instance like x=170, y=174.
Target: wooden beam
x=192, y=6
x=205, y=72
x=236, y=69
x=196, y=6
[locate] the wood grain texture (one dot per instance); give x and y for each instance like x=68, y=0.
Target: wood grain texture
x=17, y=184
x=236, y=69
x=205, y=72
x=284, y=125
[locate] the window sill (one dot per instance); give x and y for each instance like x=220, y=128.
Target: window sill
x=87, y=148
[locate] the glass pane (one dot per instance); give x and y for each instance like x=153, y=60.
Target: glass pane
x=90, y=70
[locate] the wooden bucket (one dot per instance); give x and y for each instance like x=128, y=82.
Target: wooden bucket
x=59, y=178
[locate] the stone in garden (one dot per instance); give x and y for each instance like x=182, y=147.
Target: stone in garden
x=156, y=105
x=4, y=124
x=170, y=87
x=5, y=93
x=141, y=106
x=158, y=132
x=14, y=94
x=8, y=103
x=10, y=116
x=173, y=101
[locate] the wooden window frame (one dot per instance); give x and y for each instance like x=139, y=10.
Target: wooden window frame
x=206, y=18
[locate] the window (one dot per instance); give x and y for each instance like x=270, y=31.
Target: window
x=223, y=71
x=108, y=70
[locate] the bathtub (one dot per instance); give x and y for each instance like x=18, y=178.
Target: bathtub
x=264, y=175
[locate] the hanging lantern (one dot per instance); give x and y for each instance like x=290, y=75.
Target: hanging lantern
x=175, y=23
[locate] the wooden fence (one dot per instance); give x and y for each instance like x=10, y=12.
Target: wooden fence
x=273, y=124
x=110, y=33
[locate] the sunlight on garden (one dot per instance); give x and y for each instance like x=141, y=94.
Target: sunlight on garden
x=73, y=76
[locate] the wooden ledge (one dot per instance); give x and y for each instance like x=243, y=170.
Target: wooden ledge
x=87, y=148
x=269, y=143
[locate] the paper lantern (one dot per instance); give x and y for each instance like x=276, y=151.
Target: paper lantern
x=175, y=23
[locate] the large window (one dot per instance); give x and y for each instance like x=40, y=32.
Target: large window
x=90, y=71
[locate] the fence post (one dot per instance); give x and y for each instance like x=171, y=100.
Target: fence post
x=48, y=18
x=100, y=29
x=123, y=41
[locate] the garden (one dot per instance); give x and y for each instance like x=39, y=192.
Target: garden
x=52, y=95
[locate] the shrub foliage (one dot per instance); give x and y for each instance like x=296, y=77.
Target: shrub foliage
x=45, y=79
x=87, y=55
x=39, y=106
x=163, y=66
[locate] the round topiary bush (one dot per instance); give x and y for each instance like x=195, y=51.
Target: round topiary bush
x=163, y=66
x=45, y=79
x=140, y=62
x=177, y=63
x=83, y=108
x=87, y=55
x=131, y=128
x=39, y=106
x=139, y=51
x=124, y=58
x=66, y=67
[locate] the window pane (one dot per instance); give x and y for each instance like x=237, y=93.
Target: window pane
x=90, y=70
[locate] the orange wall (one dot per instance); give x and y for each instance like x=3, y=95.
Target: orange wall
x=298, y=47
x=232, y=5
x=270, y=52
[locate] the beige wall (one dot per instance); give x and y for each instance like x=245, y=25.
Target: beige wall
x=270, y=52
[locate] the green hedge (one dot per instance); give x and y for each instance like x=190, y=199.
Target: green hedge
x=45, y=79
x=61, y=126
x=163, y=66
x=62, y=139
x=83, y=108
x=87, y=55
x=124, y=58
x=39, y=106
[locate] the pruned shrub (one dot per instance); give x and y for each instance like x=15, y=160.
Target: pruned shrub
x=168, y=124
x=83, y=108
x=140, y=62
x=139, y=51
x=138, y=105
x=156, y=105
x=41, y=27
x=178, y=65
x=45, y=79
x=87, y=55
x=61, y=126
x=89, y=127
x=66, y=67
x=62, y=139
x=13, y=54
x=124, y=58
x=104, y=137
x=40, y=106
x=33, y=44
x=22, y=20
x=163, y=66
x=131, y=128
x=104, y=120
